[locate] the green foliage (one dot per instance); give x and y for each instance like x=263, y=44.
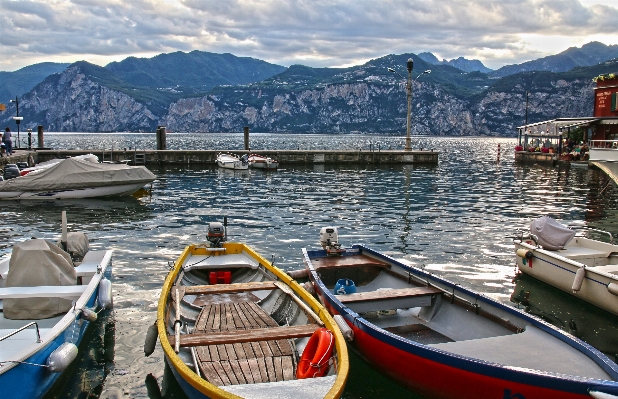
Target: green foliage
x=16, y=83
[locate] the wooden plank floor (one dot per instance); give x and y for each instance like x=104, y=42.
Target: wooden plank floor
x=242, y=363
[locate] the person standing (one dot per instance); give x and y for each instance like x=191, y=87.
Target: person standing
x=6, y=139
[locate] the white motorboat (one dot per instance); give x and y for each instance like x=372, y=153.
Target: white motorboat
x=580, y=266
x=48, y=301
x=262, y=162
x=231, y=161
x=76, y=178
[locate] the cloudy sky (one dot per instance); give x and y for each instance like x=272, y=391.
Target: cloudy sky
x=317, y=33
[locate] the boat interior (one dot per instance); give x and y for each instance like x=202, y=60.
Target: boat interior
x=599, y=255
x=242, y=328
x=423, y=311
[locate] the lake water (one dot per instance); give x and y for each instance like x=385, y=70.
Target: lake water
x=456, y=219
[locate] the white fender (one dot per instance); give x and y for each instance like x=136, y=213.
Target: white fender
x=613, y=288
x=579, y=279
x=105, y=294
x=151, y=339
x=88, y=314
x=61, y=357
x=346, y=331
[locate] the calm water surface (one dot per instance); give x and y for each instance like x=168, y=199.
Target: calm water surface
x=456, y=218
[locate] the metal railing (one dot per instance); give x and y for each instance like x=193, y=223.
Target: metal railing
x=38, y=334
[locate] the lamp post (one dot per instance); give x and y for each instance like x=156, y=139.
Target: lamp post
x=410, y=66
x=17, y=118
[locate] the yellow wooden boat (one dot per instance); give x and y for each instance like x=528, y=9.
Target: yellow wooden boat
x=233, y=325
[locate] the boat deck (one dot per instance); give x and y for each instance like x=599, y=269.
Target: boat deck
x=247, y=362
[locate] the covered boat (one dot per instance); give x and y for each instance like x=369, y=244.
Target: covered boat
x=48, y=302
x=445, y=341
x=76, y=178
x=233, y=325
x=583, y=267
x=262, y=162
x=231, y=161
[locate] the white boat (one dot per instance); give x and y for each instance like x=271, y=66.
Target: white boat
x=262, y=162
x=230, y=161
x=48, y=302
x=580, y=266
x=76, y=178
x=603, y=150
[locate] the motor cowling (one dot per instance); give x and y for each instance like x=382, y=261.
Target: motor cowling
x=329, y=239
x=216, y=233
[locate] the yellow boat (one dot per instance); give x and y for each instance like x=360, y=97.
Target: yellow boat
x=233, y=325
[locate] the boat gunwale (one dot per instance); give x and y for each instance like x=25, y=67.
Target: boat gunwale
x=537, y=378
x=213, y=391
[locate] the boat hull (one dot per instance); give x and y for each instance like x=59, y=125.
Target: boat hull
x=603, y=154
x=559, y=272
x=26, y=381
x=440, y=374
x=88, y=192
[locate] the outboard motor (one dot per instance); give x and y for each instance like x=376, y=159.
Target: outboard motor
x=216, y=234
x=329, y=239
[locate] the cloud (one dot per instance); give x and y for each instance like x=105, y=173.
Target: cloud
x=315, y=33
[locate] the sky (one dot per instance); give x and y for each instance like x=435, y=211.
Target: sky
x=316, y=33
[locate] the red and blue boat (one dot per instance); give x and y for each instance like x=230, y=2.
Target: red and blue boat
x=446, y=341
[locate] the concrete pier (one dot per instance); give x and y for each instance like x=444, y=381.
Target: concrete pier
x=285, y=157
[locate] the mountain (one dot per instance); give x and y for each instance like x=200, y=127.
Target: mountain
x=459, y=63
x=191, y=73
x=589, y=54
x=363, y=98
x=14, y=84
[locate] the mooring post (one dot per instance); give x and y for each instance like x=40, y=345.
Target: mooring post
x=40, y=136
x=163, y=138
x=246, y=138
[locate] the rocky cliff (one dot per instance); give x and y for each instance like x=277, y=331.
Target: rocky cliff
x=74, y=101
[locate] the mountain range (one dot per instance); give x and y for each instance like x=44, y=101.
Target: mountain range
x=207, y=92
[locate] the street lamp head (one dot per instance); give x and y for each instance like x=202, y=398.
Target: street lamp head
x=389, y=69
x=410, y=64
x=13, y=101
x=427, y=71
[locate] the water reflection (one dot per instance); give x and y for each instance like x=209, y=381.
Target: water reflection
x=456, y=219
x=589, y=323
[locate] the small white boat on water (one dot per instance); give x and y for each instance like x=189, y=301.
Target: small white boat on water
x=76, y=178
x=262, y=162
x=49, y=297
x=580, y=266
x=231, y=161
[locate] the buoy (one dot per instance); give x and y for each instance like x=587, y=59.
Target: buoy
x=61, y=357
x=88, y=314
x=105, y=294
x=346, y=331
x=317, y=353
x=579, y=279
x=151, y=339
x=602, y=395
x=612, y=288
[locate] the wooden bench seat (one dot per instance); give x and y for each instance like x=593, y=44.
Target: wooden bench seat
x=394, y=298
x=236, y=337
x=228, y=288
x=44, y=291
x=333, y=262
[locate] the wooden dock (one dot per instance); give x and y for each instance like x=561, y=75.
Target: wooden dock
x=204, y=157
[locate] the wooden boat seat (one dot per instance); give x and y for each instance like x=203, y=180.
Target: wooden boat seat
x=228, y=288
x=393, y=298
x=239, y=354
x=44, y=291
x=333, y=262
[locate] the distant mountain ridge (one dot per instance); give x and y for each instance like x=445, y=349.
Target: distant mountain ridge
x=589, y=54
x=16, y=83
x=462, y=63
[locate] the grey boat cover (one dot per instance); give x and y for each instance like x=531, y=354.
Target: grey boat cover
x=33, y=263
x=74, y=173
x=551, y=234
x=78, y=244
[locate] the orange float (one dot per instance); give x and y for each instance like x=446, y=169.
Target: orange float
x=314, y=361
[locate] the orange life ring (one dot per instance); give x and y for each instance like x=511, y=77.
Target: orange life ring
x=317, y=353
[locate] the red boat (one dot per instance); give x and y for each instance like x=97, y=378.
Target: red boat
x=445, y=341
